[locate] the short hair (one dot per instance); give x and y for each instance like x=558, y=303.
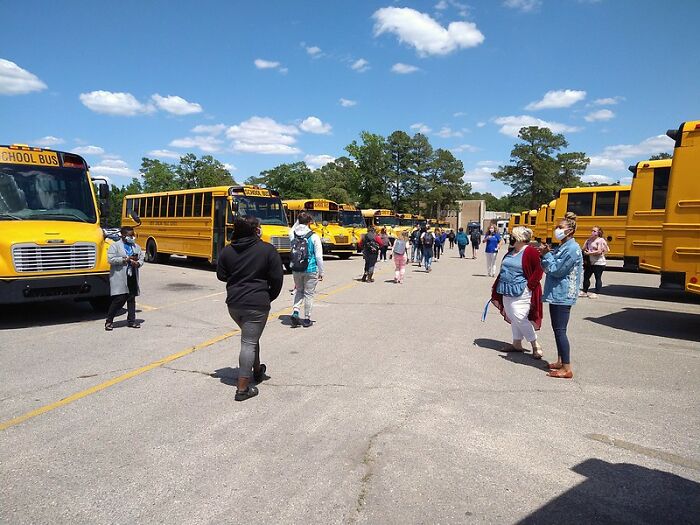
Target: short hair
x=370, y=228
x=304, y=218
x=245, y=226
x=461, y=229
x=125, y=230
x=522, y=234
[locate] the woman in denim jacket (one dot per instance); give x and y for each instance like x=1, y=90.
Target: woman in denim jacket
x=563, y=267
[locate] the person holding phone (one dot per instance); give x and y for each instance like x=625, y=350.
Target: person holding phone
x=125, y=258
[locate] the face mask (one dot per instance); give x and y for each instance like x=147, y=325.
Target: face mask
x=129, y=239
x=559, y=234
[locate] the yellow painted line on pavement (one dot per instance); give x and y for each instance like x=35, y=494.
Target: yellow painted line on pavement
x=145, y=307
x=155, y=364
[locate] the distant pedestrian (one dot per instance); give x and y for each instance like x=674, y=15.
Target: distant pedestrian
x=594, y=250
x=307, y=268
x=475, y=238
x=371, y=244
x=252, y=271
x=384, y=244
x=462, y=242
x=517, y=292
x=422, y=230
x=427, y=240
x=451, y=237
x=437, y=244
x=400, y=252
x=563, y=267
x=415, y=244
x=492, y=240
x=125, y=258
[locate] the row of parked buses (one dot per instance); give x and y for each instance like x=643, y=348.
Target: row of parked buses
x=652, y=224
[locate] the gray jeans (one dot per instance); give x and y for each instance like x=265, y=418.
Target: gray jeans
x=305, y=284
x=252, y=323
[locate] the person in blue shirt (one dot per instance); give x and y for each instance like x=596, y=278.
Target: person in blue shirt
x=492, y=240
x=563, y=267
x=462, y=242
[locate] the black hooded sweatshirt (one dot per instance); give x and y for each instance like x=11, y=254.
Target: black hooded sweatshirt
x=252, y=271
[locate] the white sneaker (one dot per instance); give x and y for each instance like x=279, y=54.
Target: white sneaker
x=582, y=294
x=592, y=295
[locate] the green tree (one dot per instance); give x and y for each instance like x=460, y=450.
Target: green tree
x=116, y=196
x=661, y=156
x=158, y=176
x=445, y=182
x=340, y=180
x=201, y=173
x=399, y=149
x=571, y=168
x=374, y=163
x=293, y=181
x=422, y=156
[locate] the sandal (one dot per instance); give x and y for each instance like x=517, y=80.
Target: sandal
x=242, y=395
x=109, y=327
x=562, y=374
x=537, y=352
x=554, y=366
x=260, y=375
x=134, y=325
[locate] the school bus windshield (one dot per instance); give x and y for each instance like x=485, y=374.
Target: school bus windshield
x=267, y=210
x=384, y=220
x=320, y=216
x=406, y=222
x=45, y=193
x=351, y=219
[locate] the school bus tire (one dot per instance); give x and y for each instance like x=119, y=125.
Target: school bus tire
x=152, y=255
x=344, y=256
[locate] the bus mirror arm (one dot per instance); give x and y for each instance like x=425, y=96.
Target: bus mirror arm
x=135, y=217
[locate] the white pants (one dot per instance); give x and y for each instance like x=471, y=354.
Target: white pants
x=517, y=310
x=491, y=264
x=305, y=284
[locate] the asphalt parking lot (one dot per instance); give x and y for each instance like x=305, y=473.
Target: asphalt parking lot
x=396, y=406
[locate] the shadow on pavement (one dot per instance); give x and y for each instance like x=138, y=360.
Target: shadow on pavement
x=50, y=313
x=674, y=325
x=622, y=493
x=228, y=376
x=650, y=294
x=520, y=358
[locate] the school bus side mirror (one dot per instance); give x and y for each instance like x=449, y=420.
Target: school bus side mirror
x=135, y=217
x=104, y=192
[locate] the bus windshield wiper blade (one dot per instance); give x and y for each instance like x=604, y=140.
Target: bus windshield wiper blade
x=10, y=216
x=72, y=215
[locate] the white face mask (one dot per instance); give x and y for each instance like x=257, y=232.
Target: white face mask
x=559, y=234
x=129, y=239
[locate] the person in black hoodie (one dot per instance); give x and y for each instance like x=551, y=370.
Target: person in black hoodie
x=252, y=271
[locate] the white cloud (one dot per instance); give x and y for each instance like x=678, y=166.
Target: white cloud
x=446, y=132
x=314, y=51
x=347, y=103
x=89, y=150
x=164, y=154
x=48, y=141
x=523, y=5
x=459, y=114
x=424, y=33
x=419, y=127
x=599, y=179
x=209, y=129
x=176, y=105
x=602, y=162
x=601, y=114
x=316, y=161
x=403, y=69
x=442, y=5
x=315, y=125
x=114, y=103
x=263, y=135
x=266, y=64
x=480, y=124
x=284, y=70
x=557, y=99
x=112, y=167
x=650, y=146
x=360, y=65
x=609, y=101
x=17, y=81
x=466, y=147
x=480, y=176
x=511, y=125
x=207, y=144
x=230, y=167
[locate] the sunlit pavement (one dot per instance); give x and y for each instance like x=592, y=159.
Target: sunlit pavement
x=397, y=406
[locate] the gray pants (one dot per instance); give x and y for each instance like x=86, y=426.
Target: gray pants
x=305, y=284
x=252, y=323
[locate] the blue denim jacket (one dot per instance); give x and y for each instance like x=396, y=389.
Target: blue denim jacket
x=564, y=267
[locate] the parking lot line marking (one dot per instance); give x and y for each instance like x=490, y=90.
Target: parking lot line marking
x=145, y=307
x=155, y=364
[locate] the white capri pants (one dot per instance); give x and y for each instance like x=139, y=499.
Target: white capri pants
x=517, y=310
x=491, y=263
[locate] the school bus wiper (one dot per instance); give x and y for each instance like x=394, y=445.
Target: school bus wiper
x=72, y=215
x=10, y=216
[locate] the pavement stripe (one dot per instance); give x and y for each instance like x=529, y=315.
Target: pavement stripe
x=155, y=364
x=674, y=459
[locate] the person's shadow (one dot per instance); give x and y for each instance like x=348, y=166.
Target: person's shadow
x=520, y=358
x=228, y=376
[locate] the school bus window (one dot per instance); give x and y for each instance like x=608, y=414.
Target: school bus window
x=623, y=202
x=188, y=204
x=605, y=203
x=580, y=203
x=163, y=207
x=171, y=206
x=129, y=207
x=551, y=217
x=197, y=211
x=660, y=189
x=179, y=205
x=207, y=205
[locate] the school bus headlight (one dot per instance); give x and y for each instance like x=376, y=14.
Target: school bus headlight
x=326, y=240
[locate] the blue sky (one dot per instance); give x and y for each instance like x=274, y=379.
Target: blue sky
x=260, y=83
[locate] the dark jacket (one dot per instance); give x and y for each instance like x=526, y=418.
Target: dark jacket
x=252, y=271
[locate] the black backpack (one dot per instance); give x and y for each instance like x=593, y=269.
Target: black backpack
x=371, y=245
x=428, y=239
x=476, y=238
x=299, y=257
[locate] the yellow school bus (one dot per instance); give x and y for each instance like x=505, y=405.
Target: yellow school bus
x=381, y=218
x=336, y=239
x=645, y=216
x=680, y=261
x=539, y=230
x=51, y=242
x=199, y=222
x=513, y=221
x=351, y=218
x=603, y=206
x=532, y=219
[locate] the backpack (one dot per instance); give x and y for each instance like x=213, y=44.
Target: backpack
x=476, y=238
x=299, y=257
x=371, y=245
x=428, y=239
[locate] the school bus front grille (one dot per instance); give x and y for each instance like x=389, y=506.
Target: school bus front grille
x=30, y=257
x=281, y=243
x=341, y=239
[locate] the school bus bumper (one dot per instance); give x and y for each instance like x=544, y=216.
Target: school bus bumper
x=24, y=290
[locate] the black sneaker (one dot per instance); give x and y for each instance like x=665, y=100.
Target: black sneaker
x=242, y=395
x=295, y=321
x=307, y=323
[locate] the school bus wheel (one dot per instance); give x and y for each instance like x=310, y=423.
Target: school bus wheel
x=344, y=255
x=152, y=255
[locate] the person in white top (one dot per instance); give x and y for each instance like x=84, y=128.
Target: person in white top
x=594, y=250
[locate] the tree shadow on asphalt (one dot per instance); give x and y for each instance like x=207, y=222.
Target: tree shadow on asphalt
x=673, y=325
x=649, y=293
x=621, y=493
x=519, y=358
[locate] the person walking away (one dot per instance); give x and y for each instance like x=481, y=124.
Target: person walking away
x=400, y=252
x=427, y=240
x=492, y=240
x=252, y=271
x=563, y=267
x=517, y=292
x=475, y=237
x=125, y=258
x=415, y=240
x=420, y=245
x=306, y=261
x=436, y=244
x=462, y=242
x=594, y=250
x=384, y=244
x=451, y=237
x=371, y=245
